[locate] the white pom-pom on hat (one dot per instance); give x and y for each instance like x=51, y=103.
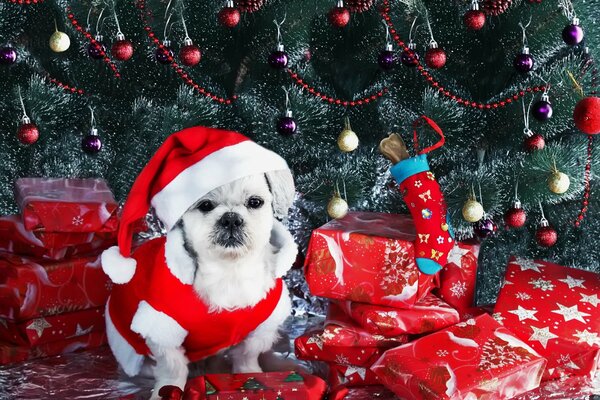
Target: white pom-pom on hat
x=118, y=268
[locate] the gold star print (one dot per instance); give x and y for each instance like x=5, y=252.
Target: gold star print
x=425, y=196
x=423, y=238
x=436, y=254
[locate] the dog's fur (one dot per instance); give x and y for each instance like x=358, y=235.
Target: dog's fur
x=232, y=263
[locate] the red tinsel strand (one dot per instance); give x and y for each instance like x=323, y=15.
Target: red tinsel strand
x=332, y=100
x=25, y=2
x=175, y=66
x=94, y=43
x=385, y=12
x=65, y=87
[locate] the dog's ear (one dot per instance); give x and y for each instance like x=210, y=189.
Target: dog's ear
x=281, y=184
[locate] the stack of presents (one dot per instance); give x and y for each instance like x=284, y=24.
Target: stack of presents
x=52, y=287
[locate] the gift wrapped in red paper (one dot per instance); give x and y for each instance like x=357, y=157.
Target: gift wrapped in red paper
x=341, y=330
x=427, y=315
x=366, y=257
x=557, y=311
x=258, y=386
x=474, y=359
x=53, y=328
x=31, y=288
x=350, y=376
x=14, y=238
x=458, y=277
x=66, y=205
x=12, y=353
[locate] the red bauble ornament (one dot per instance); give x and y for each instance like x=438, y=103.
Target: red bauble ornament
x=496, y=7
x=546, y=235
x=587, y=115
x=534, y=141
x=515, y=217
x=229, y=16
x=189, y=54
x=339, y=16
x=249, y=6
x=474, y=19
x=358, y=6
x=28, y=132
x=122, y=49
x=435, y=57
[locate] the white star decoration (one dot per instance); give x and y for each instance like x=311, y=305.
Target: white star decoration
x=362, y=372
x=341, y=359
x=79, y=331
x=498, y=317
x=524, y=313
x=38, y=325
x=542, y=284
x=542, y=335
x=316, y=339
x=570, y=313
x=592, y=299
x=573, y=283
x=528, y=265
x=590, y=338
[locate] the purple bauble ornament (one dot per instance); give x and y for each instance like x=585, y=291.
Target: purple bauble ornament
x=485, y=228
x=164, y=55
x=278, y=58
x=409, y=57
x=542, y=109
x=286, y=125
x=8, y=55
x=387, y=58
x=97, y=50
x=524, y=62
x=573, y=34
x=91, y=144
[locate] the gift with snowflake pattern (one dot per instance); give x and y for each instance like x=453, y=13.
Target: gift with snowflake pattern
x=556, y=310
x=367, y=257
x=66, y=205
x=474, y=359
x=350, y=376
x=459, y=275
x=428, y=315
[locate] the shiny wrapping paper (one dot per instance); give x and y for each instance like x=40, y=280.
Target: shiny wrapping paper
x=366, y=257
x=31, y=288
x=557, y=311
x=66, y=205
x=458, y=278
x=350, y=376
x=427, y=315
x=474, y=359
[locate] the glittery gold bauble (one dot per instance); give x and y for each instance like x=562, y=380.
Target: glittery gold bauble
x=337, y=207
x=558, y=182
x=59, y=42
x=347, y=141
x=472, y=211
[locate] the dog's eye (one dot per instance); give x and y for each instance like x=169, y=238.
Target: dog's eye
x=206, y=206
x=255, y=202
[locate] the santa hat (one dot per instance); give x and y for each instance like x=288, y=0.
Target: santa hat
x=187, y=166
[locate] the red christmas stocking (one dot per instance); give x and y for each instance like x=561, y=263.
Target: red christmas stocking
x=424, y=199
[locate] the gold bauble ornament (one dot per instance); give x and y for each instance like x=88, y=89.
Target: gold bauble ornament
x=337, y=207
x=558, y=182
x=347, y=140
x=59, y=42
x=472, y=210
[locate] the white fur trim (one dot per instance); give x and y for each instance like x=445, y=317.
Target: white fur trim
x=178, y=260
x=285, y=250
x=157, y=326
x=217, y=169
x=118, y=268
x=128, y=359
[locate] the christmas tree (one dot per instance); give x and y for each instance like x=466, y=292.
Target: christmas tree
x=92, y=88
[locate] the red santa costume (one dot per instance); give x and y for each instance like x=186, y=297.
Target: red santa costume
x=189, y=164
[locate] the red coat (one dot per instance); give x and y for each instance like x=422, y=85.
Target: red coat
x=208, y=332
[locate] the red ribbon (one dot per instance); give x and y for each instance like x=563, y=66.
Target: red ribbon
x=418, y=123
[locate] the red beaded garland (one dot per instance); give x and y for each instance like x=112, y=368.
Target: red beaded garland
x=65, y=87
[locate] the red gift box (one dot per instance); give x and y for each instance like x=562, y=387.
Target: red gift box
x=311, y=346
x=474, y=359
x=341, y=330
x=53, y=328
x=258, y=386
x=66, y=205
x=350, y=376
x=429, y=314
x=458, y=277
x=12, y=353
x=557, y=311
x=366, y=257
x=31, y=288
x=14, y=238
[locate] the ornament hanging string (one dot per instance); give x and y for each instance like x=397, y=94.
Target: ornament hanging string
x=92, y=119
x=388, y=39
x=287, y=98
x=418, y=123
x=480, y=195
x=543, y=220
x=119, y=32
x=25, y=117
x=568, y=9
x=99, y=20
x=526, y=129
x=524, y=29
x=412, y=29
x=278, y=25
x=88, y=25
x=432, y=42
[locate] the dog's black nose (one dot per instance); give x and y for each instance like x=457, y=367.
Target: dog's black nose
x=231, y=220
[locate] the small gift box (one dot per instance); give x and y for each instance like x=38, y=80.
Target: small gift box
x=557, y=311
x=367, y=257
x=66, y=205
x=459, y=276
x=475, y=359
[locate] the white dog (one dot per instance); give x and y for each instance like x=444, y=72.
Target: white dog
x=232, y=249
